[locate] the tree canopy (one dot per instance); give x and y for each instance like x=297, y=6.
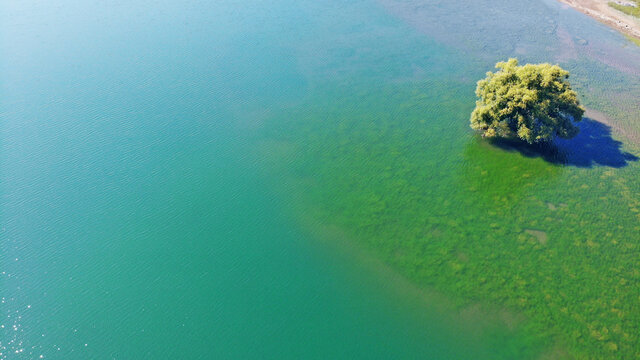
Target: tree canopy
x=533, y=102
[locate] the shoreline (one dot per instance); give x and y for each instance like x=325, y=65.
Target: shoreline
x=601, y=11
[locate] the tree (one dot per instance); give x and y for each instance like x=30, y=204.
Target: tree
x=533, y=102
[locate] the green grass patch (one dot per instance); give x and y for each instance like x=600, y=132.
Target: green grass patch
x=627, y=9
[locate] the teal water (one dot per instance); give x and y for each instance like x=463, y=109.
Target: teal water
x=297, y=180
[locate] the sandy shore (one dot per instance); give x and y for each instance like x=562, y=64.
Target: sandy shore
x=601, y=11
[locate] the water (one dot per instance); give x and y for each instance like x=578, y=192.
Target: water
x=297, y=180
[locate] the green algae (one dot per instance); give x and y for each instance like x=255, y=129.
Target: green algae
x=397, y=170
x=380, y=148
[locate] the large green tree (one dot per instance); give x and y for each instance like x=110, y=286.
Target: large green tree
x=533, y=102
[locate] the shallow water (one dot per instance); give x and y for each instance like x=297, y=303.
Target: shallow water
x=298, y=179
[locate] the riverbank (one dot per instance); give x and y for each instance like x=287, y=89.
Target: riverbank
x=601, y=11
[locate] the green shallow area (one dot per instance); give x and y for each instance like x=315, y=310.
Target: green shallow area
x=380, y=148
x=554, y=240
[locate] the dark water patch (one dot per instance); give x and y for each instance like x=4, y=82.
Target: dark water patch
x=593, y=146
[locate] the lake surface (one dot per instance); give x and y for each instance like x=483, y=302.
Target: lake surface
x=297, y=179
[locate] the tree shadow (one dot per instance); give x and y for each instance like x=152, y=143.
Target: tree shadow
x=593, y=146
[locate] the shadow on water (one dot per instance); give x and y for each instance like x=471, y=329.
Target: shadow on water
x=593, y=146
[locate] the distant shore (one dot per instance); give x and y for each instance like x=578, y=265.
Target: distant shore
x=601, y=11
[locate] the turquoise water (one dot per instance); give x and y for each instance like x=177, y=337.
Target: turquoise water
x=298, y=180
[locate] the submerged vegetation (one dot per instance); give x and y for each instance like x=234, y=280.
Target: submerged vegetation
x=399, y=173
x=389, y=159
x=532, y=102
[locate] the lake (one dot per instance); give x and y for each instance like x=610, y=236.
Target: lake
x=298, y=179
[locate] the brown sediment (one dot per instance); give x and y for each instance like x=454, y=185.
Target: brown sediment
x=601, y=11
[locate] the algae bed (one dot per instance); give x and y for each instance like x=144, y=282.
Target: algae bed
x=380, y=148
